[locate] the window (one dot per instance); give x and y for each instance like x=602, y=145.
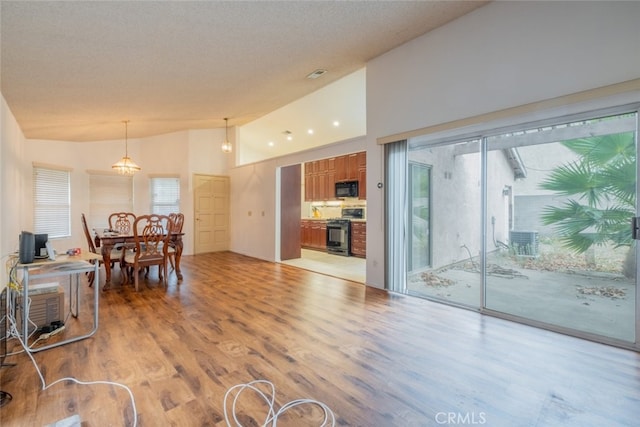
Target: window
x=51, y=201
x=165, y=195
x=108, y=193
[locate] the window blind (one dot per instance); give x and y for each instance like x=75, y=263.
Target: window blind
x=51, y=202
x=165, y=195
x=108, y=193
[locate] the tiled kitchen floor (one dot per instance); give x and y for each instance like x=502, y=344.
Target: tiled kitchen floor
x=350, y=268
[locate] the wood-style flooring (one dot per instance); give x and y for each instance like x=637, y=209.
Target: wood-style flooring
x=375, y=359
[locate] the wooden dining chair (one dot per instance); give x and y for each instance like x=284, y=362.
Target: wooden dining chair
x=151, y=243
x=177, y=221
x=121, y=222
x=115, y=253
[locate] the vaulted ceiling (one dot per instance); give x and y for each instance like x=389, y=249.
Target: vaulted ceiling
x=75, y=70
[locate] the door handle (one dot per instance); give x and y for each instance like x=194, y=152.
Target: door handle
x=635, y=228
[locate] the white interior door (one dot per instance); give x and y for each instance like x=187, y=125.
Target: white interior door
x=211, y=228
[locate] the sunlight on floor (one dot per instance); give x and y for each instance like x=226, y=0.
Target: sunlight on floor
x=349, y=268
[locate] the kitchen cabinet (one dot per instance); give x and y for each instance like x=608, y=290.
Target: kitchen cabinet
x=308, y=181
x=320, y=176
x=359, y=239
x=331, y=179
x=341, y=168
x=313, y=234
x=361, y=161
x=352, y=167
x=317, y=181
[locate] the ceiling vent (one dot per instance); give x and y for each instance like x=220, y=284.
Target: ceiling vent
x=316, y=74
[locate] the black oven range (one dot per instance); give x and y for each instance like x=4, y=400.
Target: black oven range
x=339, y=236
x=339, y=231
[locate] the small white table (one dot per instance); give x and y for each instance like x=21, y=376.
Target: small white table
x=63, y=265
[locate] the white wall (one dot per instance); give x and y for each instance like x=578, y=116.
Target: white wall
x=11, y=181
x=502, y=55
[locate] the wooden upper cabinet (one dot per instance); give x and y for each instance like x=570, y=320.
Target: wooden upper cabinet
x=331, y=165
x=341, y=168
x=320, y=176
x=352, y=166
x=362, y=174
x=308, y=183
x=361, y=159
x=322, y=193
x=362, y=184
x=323, y=166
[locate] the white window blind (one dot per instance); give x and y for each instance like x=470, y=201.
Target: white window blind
x=108, y=193
x=51, y=202
x=165, y=195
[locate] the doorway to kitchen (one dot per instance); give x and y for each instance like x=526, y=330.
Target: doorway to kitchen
x=303, y=229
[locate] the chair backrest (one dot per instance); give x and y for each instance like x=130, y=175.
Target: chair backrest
x=177, y=219
x=122, y=222
x=92, y=247
x=151, y=235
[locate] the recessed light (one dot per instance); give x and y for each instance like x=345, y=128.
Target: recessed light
x=270, y=143
x=289, y=138
x=336, y=123
x=310, y=131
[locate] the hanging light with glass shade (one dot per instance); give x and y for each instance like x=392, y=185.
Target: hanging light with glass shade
x=226, y=145
x=126, y=166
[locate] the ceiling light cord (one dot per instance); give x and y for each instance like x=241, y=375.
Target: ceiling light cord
x=226, y=145
x=126, y=138
x=126, y=166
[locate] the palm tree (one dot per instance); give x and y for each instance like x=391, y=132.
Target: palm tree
x=601, y=192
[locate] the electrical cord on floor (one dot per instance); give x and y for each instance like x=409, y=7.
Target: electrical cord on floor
x=13, y=330
x=14, y=284
x=272, y=415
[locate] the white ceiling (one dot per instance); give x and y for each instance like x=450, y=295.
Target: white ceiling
x=75, y=70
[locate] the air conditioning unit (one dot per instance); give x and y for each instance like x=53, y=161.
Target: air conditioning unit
x=524, y=243
x=47, y=306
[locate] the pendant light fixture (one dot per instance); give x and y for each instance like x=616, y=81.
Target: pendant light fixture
x=226, y=145
x=126, y=166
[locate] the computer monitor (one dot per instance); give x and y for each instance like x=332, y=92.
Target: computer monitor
x=40, y=246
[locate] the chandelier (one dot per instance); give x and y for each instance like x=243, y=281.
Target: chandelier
x=226, y=145
x=126, y=166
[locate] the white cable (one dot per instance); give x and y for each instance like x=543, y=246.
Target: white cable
x=14, y=332
x=272, y=415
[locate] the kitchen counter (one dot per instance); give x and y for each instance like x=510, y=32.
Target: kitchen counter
x=327, y=219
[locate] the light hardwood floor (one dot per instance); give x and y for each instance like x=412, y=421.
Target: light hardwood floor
x=376, y=359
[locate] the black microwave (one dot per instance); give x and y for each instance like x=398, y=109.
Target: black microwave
x=347, y=189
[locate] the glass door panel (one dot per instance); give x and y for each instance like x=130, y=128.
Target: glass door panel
x=443, y=231
x=419, y=223
x=559, y=201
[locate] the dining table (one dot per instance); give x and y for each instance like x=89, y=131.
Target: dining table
x=106, y=240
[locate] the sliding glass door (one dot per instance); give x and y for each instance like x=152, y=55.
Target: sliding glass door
x=444, y=205
x=567, y=258
x=530, y=222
